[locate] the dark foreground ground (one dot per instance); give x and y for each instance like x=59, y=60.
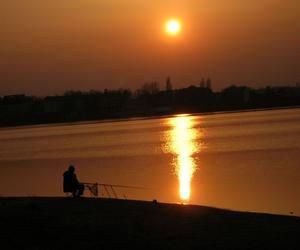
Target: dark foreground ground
x=66, y=223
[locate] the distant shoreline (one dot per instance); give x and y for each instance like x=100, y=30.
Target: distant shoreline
x=136, y=118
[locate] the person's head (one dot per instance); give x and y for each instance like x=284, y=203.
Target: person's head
x=72, y=168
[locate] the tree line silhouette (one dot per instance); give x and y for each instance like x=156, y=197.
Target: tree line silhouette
x=148, y=100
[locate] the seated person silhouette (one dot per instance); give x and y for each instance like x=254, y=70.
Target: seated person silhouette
x=71, y=183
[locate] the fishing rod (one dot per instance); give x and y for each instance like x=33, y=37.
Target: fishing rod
x=112, y=185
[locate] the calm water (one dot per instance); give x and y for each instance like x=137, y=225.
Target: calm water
x=243, y=161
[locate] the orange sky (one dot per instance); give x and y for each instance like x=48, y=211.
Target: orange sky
x=50, y=46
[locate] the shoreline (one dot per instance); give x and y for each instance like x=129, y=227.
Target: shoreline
x=89, y=223
x=137, y=118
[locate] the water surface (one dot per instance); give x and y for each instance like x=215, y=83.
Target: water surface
x=243, y=161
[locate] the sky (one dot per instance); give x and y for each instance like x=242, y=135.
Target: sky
x=51, y=46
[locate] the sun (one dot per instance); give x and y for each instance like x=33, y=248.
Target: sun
x=173, y=27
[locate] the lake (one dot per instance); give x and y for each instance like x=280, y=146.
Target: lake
x=247, y=161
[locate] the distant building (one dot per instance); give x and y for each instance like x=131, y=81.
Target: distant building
x=14, y=99
x=15, y=108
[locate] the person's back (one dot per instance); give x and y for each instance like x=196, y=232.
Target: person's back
x=70, y=180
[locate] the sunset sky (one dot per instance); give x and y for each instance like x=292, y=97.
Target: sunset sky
x=50, y=46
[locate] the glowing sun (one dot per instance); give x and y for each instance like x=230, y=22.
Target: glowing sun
x=173, y=27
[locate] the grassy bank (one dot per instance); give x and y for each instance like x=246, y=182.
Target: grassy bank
x=65, y=223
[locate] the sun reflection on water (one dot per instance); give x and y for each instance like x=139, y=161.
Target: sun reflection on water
x=182, y=143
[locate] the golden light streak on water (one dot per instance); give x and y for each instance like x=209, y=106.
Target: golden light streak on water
x=183, y=145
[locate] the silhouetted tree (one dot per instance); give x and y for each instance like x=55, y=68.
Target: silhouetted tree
x=148, y=100
x=168, y=84
x=208, y=83
x=148, y=89
x=202, y=83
